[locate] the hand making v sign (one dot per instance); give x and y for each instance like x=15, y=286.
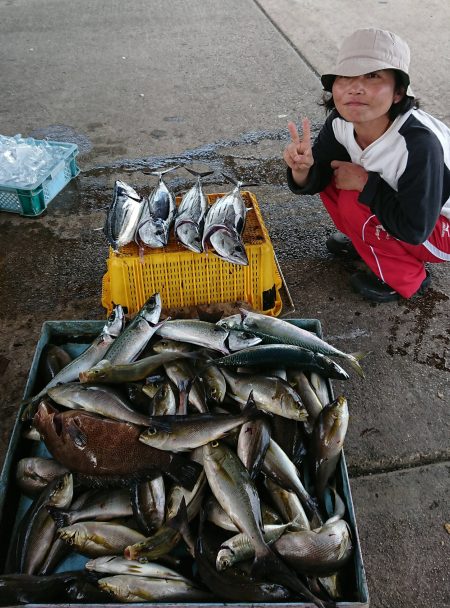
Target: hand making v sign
x=298, y=153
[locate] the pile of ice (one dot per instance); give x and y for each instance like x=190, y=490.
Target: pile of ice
x=26, y=161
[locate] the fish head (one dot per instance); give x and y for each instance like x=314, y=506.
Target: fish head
x=228, y=245
x=334, y=418
x=97, y=373
x=231, y=322
x=224, y=559
x=124, y=190
x=237, y=340
x=44, y=415
x=154, y=232
x=188, y=234
x=151, y=310
x=115, y=322
x=62, y=491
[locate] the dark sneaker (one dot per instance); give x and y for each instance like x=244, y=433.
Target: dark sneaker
x=339, y=244
x=374, y=289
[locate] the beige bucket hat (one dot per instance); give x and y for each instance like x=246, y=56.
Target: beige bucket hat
x=368, y=50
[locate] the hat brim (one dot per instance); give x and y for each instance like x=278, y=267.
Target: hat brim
x=328, y=79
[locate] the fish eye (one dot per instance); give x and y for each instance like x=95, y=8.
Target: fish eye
x=152, y=430
x=214, y=444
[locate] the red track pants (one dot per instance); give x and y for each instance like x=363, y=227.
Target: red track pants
x=395, y=262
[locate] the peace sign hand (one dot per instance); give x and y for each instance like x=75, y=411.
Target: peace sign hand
x=298, y=153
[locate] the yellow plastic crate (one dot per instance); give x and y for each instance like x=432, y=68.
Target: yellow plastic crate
x=184, y=278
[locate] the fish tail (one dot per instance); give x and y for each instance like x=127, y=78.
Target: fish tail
x=274, y=569
x=354, y=359
x=198, y=173
x=160, y=173
x=185, y=472
x=238, y=183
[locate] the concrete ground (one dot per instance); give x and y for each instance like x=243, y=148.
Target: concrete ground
x=142, y=85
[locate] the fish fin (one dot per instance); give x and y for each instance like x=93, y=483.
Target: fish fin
x=198, y=173
x=76, y=434
x=180, y=523
x=243, y=312
x=354, y=359
x=59, y=516
x=185, y=472
x=250, y=409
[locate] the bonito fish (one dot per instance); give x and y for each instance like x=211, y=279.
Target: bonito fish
x=191, y=214
x=224, y=226
x=122, y=216
x=157, y=215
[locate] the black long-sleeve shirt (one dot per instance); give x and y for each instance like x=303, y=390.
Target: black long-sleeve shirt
x=408, y=166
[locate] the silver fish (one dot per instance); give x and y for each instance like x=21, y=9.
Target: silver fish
x=320, y=386
x=282, y=332
x=37, y=528
x=215, y=383
x=164, y=400
x=148, y=500
x=306, y=392
x=183, y=433
x=327, y=441
x=228, y=211
x=130, y=588
x=34, y=473
x=123, y=215
x=317, y=552
x=270, y=394
x=157, y=215
x=253, y=442
x=191, y=214
x=224, y=226
x=195, y=331
x=238, y=340
x=137, y=334
x=288, y=504
x=216, y=515
x=95, y=539
x=104, y=505
x=279, y=467
x=115, y=564
x=239, y=548
x=97, y=399
x=231, y=485
x=92, y=355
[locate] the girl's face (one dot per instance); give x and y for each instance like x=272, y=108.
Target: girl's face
x=366, y=100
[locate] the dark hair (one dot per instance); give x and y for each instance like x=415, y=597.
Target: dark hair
x=401, y=107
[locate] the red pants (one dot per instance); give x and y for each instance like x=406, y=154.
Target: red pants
x=395, y=262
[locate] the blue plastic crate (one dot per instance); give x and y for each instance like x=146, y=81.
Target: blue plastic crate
x=34, y=200
x=75, y=337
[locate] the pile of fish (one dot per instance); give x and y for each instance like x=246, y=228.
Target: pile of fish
x=147, y=221
x=185, y=461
